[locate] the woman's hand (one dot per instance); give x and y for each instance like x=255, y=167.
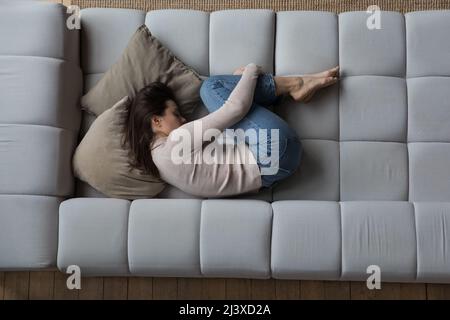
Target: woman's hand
x=240, y=70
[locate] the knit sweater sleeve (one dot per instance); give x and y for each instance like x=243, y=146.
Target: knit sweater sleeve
x=233, y=110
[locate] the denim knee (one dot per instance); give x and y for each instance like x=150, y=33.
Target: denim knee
x=291, y=158
x=204, y=88
x=208, y=85
x=206, y=93
x=212, y=80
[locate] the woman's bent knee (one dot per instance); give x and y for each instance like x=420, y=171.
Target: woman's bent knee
x=204, y=89
x=206, y=93
x=208, y=86
x=293, y=154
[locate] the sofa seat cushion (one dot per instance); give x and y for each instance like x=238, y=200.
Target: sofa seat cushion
x=28, y=231
x=163, y=238
x=330, y=240
x=379, y=233
x=36, y=160
x=306, y=240
x=93, y=235
x=433, y=242
x=288, y=239
x=235, y=238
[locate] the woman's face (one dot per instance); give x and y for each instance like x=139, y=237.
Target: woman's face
x=170, y=120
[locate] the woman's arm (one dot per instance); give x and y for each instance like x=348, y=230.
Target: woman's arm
x=233, y=110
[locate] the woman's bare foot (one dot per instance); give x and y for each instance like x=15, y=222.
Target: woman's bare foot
x=308, y=97
x=309, y=86
x=333, y=72
x=310, y=83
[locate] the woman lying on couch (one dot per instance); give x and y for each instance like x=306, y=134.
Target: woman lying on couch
x=263, y=149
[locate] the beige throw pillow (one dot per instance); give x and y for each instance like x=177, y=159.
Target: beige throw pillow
x=145, y=60
x=100, y=160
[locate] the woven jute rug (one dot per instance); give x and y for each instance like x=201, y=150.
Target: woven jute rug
x=276, y=5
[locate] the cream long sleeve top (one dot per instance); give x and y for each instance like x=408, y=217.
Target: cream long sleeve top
x=188, y=160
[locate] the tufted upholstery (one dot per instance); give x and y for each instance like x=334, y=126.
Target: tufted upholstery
x=40, y=85
x=370, y=138
x=374, y=184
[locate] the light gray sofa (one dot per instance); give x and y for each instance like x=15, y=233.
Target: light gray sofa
x=373, y=187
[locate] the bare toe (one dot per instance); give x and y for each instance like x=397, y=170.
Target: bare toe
x=325, y=82
x=327, y=73
x=334, y=72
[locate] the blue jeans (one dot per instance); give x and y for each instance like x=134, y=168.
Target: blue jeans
x=214, y=92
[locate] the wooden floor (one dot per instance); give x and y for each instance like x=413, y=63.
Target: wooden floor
x=49, y=285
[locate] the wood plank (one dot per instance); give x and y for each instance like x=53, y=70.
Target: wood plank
x=359, y=291
x=287, y=289
x=413, y=291
x=239, y=289
x=115, y=288
x=312, y=290
x=337, y=290
x=140, y=288
x=388, y=291
x=165, y=288
x=214, y=288
x=60, y=291
x=264, y=289
x=48, y=285
x=190, y=288
x=438, y=291
x=2, y=285
x=42, y=285
x=16, y=285
x=91, y=288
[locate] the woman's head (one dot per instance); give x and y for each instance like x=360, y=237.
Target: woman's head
x=169, y=120
x=153, y=112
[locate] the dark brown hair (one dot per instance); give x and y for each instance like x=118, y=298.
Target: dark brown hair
x=136, y=124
